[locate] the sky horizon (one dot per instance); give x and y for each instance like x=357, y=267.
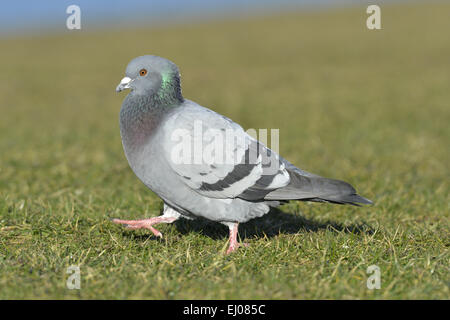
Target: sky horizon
x=20, y=17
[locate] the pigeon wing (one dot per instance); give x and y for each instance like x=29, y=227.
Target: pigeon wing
x=215, y=157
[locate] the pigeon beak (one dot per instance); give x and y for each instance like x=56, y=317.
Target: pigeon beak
x=124, y=84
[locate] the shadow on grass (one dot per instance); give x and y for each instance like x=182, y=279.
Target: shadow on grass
x=270, y=225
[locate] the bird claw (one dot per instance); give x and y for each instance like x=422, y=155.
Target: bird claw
x=157, y=233
x=139, y=224
x=234, y=247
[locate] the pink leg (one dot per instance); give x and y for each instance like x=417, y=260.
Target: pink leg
x=146, y=223
x=234, y=244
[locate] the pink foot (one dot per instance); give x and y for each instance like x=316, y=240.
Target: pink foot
x=145, y=223
x=234, y=247
x=234, y=244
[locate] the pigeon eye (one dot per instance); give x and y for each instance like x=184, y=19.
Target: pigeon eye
x=143, y=72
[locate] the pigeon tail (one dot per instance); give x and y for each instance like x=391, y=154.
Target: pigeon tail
x=309, y=187
x=353, y=199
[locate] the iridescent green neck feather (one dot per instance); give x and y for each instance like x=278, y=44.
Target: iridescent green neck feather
x=170, y=91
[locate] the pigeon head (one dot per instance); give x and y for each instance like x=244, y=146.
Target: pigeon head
x=152, y=76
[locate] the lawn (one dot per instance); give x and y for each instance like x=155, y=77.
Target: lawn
x=371, y=107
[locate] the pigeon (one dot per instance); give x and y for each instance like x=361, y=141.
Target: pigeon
x=201, y=163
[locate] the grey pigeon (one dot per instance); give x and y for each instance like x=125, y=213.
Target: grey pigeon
x=236, y=180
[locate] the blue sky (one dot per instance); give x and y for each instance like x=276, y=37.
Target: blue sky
x=42, y=16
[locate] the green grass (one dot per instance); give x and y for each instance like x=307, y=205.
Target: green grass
x=368, y=107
